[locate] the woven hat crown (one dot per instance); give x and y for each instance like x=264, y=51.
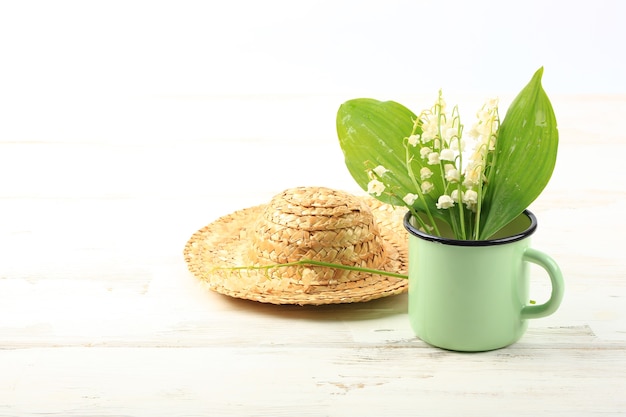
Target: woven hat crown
x=319, y=224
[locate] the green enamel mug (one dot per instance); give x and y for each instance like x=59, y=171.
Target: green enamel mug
x=473, y=296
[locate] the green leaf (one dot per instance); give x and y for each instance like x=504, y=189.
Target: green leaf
x=372, y=133
x=526, y=151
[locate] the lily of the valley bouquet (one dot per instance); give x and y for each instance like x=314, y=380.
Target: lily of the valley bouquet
x=473, y=178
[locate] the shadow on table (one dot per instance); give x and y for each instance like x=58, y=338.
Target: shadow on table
x=382, y=307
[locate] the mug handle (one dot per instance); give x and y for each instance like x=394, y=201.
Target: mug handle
x=556, y=277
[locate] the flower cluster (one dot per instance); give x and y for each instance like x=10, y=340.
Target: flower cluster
x=447, y=169
x=467, y=183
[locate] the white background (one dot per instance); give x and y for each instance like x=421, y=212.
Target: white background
x=94, y=48
x=96, y=70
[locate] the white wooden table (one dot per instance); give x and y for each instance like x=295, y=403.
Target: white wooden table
x=99, y=316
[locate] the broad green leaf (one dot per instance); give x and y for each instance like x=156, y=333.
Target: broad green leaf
x=525, y=157
x=371, y=133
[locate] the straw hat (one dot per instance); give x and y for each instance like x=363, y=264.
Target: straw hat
x=303, y=223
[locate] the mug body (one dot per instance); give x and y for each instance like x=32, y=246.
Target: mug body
x=469, y=295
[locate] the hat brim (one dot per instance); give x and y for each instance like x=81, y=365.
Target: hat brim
x=221, y=245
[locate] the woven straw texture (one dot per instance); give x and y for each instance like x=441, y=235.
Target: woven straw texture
x=303, y=223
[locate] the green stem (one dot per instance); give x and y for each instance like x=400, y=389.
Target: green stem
x=459, y=190
x=461, y=213
x=417, y=218
x=420, y=195
x=489, y=161
x=319, y=263
x=479, y=206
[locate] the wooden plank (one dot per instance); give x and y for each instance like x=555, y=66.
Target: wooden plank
x=536, y=376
